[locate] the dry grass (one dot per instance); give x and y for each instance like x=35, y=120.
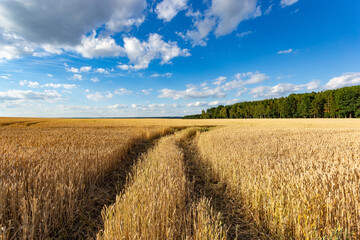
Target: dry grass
x=296, y=181
x=47, y=173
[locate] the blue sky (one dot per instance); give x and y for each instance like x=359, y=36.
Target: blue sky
x=138, y=58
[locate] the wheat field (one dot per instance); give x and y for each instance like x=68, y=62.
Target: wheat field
x=179, y=179
x=48, y=172
x=296, y=180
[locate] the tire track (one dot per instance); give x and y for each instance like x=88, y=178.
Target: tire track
x=204, y=183
x=90, y=221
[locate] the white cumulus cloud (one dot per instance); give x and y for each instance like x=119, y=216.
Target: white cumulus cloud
x=95, y=79
x=252, y=78
x=29, y=84
x=77, y=77
x=345, y=80
x=97, y=96
x=223, y=17
x=231, y=12
x=122, y=91
x=76, y=70
x=168, y=9
x=221, y=87
x=146, y=91
x=220, y=80
x=38, y=27
x=282, y=89
x=98, y=46
x=140, y=54
x=101, y=70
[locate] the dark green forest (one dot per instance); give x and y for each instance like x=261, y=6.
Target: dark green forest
x=339, y=103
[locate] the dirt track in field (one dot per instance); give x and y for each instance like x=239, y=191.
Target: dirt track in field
x=105, y=193
x=205, y=184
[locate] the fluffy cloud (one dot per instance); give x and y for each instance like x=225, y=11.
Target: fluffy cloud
x=282, y=89
x=13, y=46
x=48, y=95
x=285, y=51
x=168, y=9
x=222, y=86
x=101, y=70
x=140, y=54
x=147, y=91
x=231, y=12
x=97, y=96
x=77, y=18
x=77, y=70
x=127, y=13
x=220, y=80
x=98, y=46
x=285, y=3
x=4, y=77
x=202, y=27
x=85, y=69
x=87, y=30
x=76, y=77
x=138, y=106
x=223, y=17
x=29, y=84
x=95, y=79
x=345, y=80
x=122, y=91
x=252, y=77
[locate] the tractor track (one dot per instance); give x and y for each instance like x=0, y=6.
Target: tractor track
x=203, y=183
x=104, y=193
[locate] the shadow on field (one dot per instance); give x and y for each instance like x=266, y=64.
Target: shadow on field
x=205, y=183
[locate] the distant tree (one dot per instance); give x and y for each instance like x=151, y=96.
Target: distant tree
x=318, y=106
x=232, y=111
x=343, y=102
x=304, y=108
x=289, y=106
x=223, y=113
x=346, y=100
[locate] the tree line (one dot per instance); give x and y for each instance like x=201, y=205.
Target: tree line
x=339, y=103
